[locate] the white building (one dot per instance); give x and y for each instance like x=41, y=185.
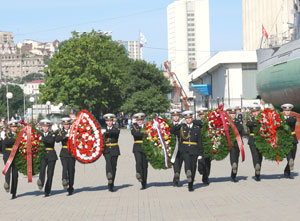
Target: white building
x=226, y=77
x=188, y=37
x=38, y=48
x=32, y=87
x=134, y=49
x=277, y=17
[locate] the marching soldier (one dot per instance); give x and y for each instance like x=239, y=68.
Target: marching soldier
x=190, y=147
x=204, y=164
x=50, y=158
x=66, y=158
x=111, y=151
x=7, y=146
x=291, y=121
x=235, y=151
x=140, y=157
x=175, y=129
x=256, y=155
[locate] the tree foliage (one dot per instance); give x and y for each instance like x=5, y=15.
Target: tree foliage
x=92, y=72
x=16, y=104
x=145, y=89
x=86, y=73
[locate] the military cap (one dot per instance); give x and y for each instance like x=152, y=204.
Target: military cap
x=255, y=107
x=188, y=114
x=45, y=122
x=287, y=107
x=202, y=110
x=231, y=110
x=66, y=120
x=13, y=123
x=109, y=116
x=238, y=108
x=139, y=116
x=175, y=112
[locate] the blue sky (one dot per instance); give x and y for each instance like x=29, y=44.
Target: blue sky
x=49, y=20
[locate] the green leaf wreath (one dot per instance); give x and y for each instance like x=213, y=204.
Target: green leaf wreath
x=212, y=129
x=152, y=146
x=263, y=137
x=37, y=150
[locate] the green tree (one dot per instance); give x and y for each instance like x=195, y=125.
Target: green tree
x=145, y=89
x=32, y=77
x=16, y=104
x=86, y=73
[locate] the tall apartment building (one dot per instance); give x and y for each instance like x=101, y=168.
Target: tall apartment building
x=134, y=49
x=188, y=37
x=6, y=38
x=277, y=17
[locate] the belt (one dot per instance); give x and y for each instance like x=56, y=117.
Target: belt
x=138, y=141
x=252, y=134
x=49, y=148
x=8, y=149
x=111, y=144
x=293, y=133
x=66, y=147
x=190, y=143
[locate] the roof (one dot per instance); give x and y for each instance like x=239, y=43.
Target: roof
x=224, y=57
x=36, y=82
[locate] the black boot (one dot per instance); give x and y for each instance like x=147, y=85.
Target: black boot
x=191, y=187
x=111, y=187
x=257, y=178
x=13, y=196
x=205, y=180
x=70, y=190
x=233, y=177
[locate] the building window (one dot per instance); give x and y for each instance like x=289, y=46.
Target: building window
x=191, y=34
x=191, y=24
x=191, y=39
x=191, y=29
x=191, y=44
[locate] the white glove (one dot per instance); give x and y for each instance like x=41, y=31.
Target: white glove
x=200, y=157
x=182, y=121
x=54, y=127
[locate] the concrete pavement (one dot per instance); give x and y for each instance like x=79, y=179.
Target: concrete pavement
x=274, y=198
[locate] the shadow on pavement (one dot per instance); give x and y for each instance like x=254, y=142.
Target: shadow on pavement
x=226, y=179
x=276, y=176
x=33, y=193
x=100, y=188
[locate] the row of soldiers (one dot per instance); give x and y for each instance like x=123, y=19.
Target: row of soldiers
x=190, y=149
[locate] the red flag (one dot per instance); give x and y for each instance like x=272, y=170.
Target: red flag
x=264, y=32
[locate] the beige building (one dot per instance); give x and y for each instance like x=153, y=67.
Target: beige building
x=6, y=38
x=38, y=48
x=277, y=16
x=32, y=87
x=133, y=48
x=14, y=66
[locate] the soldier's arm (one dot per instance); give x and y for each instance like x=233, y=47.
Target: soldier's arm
x=135, y=131
x=59, y=137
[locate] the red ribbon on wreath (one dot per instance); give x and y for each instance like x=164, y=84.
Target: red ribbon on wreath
x=270, y=116
x=15, y=148
x=224, y=114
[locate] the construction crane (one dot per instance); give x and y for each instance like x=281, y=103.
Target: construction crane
x=177, y=86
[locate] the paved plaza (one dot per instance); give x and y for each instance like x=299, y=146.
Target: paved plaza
x=274, y=198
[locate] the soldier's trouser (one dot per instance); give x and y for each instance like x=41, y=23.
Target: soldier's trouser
x=256, y=155
x=141, y=165
x=190, y=163
x=14, y=171
x=234, y=154
x=178, y=163
x=68, y=169
x=291, y=155
x=204, y=167
x=50, y=172
x=111, y=165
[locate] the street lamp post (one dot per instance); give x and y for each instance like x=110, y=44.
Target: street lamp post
x=48, y=103
x=31, y=100
x=241, y=101
x=9, y=96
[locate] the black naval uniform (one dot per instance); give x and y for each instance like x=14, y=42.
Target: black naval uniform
x=175, y=129
x=7, y=145
x=111, y=153
x=49, y=160
x=190, y=147
x=67, y=160
x=235, y=150
x=140, y=157
x=256, y=155
x=291, y=121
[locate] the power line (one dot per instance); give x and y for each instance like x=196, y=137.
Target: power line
x=91, y=22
